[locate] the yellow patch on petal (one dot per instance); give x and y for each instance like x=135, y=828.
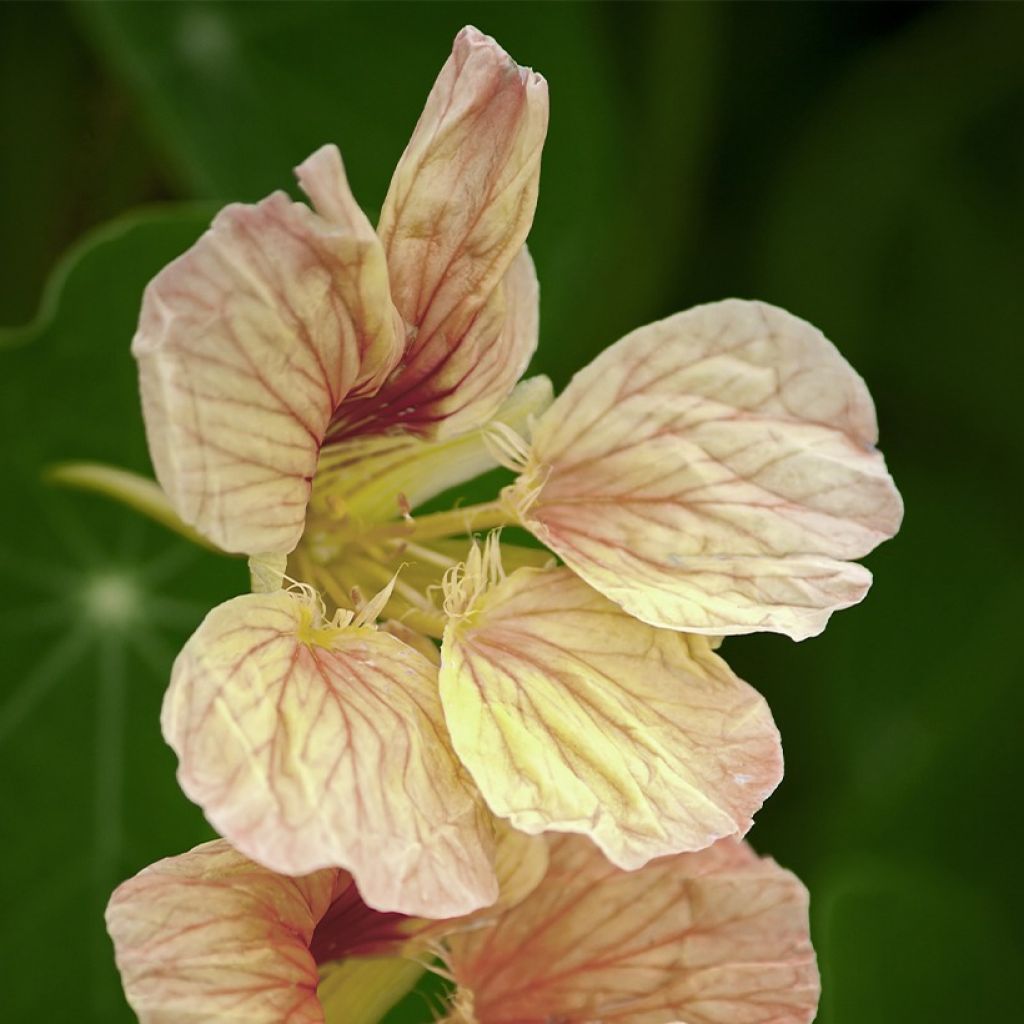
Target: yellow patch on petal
x=712, y=472
x=210, y=935
x=246, y=346
x=572, y=716
x=309, y=744
x=717, y=937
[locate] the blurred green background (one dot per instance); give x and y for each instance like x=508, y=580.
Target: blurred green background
x=861, y=165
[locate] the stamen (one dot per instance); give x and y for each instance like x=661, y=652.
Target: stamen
x=465, y=583
x=371, y=610
x=428, y=623
x=334, y=591
x=423, y=554
x=505, y=446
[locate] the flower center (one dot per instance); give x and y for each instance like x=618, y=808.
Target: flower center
x=351, y=928
x=362, y=536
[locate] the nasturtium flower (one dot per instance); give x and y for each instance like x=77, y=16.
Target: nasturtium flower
x=309, y=383
x=716, y=937
x=305, y=377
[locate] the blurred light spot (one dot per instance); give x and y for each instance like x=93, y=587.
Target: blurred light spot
x=112, y=599
x=204, y=38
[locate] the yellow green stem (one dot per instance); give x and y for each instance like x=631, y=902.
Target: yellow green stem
x=458, y=521
x=130, y=489
x=361, y=991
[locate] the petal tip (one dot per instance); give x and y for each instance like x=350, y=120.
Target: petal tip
x=471, y=40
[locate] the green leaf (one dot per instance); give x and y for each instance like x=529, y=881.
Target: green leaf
x=96, y=604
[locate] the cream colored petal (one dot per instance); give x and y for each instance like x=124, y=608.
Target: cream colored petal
x=246, y=346
x=712, y=473
x=457, y=389
x=411, y=638
x=574, y=717
x=362, y=479
x=520, y=861
x=309, y=745
x=211, y=936
x=456, y=215
x=717, y=937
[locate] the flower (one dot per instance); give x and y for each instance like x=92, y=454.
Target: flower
x=295, y=368
x=717, y=936
x=308, y=383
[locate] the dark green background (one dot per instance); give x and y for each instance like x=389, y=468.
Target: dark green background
x=861, y=165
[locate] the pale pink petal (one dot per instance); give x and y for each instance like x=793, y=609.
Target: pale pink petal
x=246, y=346
x=572, y=716
x=310, y=745
x=717, y=937
x=322, y=177
x=712, y=472
x=211, y=936
x=460, y=389
x=463, y=194
x=458, y=211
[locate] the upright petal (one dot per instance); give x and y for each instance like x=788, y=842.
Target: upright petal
x=458, y=211
x=322, y=177
x=712, y=471
x=463, y=194
x=246, y=346
x=210, y=935
x=452, y=385
x=310, y=744
x=574, y=717
x=717, y=937
x=465, y=386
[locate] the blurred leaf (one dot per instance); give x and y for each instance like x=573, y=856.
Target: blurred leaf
x=73, y=156
x=907, y=944
x=896, y=217
x=96, y=604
